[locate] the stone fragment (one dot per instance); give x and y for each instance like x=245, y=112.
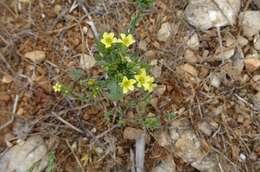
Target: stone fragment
x=7, y=79
x=87, y=61
x=257, y=42
x=250, y=22
x=165, y=32
x=252, y=63
x=189, y=69
x=194, y=42
x=255, y=82
x=215, y=81
x=205, y=14
x=22, y=157
x=205, y=128
x=142, y=45
x=167, y=165
x=242, y=41
x=36, y=56
x=191, y=57
x=164, y=139
x=227, y=54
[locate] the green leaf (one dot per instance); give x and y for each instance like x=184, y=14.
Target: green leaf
x=152, y=123
x=75, y=74
x=145, y=4
x=170, y=116
x=51, y=161
x=115, y=91
x=133, y=23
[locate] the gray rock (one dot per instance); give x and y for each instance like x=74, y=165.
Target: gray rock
x=87, y=61
x=194, y=42
x=164, y=139
x=242, y=41
x=165, y=166
x=35, y=56
x=207, y=164
x=142, y=45
x=205, y=14
x=252, y=62
x=205, y=128
x=215, y=80
x=165, y=32
x=185, y=144
x=156, y=71
x=255, y=82
x=257, y=42
x=188, y=147
x=227, y=54
x=191, y=57
x=23, y=157
x=250, y=22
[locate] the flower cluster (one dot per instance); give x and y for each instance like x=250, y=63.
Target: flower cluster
x=57, y=87
x=141, y=79
x=123, y=70
x=109, y=39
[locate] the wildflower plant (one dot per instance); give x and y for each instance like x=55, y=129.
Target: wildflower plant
x=123, y=76
x=124, y=70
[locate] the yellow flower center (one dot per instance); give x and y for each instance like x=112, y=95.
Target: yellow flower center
x=126, y=84
x=109, y=40
x=57, y=87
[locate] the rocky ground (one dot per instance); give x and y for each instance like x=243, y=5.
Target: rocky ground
x=204, y=56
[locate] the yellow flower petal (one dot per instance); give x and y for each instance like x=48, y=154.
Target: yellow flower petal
x=108, y=39
x=141, y=77
x=127, y=84
x=123, y=36
x=145, y=81
x=126, y=40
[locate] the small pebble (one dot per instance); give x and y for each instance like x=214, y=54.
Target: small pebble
x=242, y=157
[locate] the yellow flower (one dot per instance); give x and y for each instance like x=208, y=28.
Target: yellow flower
x=127, y=84
x=57, y=87
x=149, y=84
x=145, y=81
x=108, y=39
x=91, y=82
x=126, y=40
x=141, y=78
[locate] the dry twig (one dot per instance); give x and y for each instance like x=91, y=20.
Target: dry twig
x=75, y=156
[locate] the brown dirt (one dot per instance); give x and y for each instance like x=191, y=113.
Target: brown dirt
x=39, y=28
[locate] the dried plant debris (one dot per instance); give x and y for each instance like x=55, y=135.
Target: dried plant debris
x=93, y=77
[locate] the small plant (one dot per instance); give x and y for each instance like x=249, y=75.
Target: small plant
x=121, y=66
x=151, y=123
x=123, y=75
x=145, y=3
x=123, y=70
x=170, y=116
x=51, y=162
